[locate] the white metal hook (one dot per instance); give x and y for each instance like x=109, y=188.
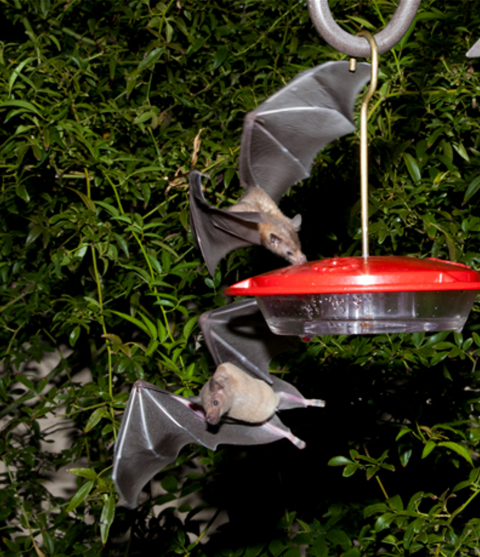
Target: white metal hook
x=359, y=47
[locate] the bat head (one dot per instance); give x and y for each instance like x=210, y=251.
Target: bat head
x=214, y=401
x=281, y=238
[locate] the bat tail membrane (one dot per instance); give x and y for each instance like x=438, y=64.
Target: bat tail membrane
x=216, y=232
x=283, y=135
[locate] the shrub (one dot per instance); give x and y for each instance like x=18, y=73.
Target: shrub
x=106, y=105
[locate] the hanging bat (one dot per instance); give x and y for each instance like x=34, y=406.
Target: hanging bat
x=157, y=424
x=238, y=333
x=280, y=141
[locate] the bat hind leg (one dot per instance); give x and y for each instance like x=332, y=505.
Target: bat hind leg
x=315, y=402
x=300, y=401
x=287, y=434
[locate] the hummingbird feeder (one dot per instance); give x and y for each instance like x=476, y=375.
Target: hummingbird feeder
x=365, y=294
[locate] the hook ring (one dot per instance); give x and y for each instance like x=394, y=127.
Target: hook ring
x=356, y=46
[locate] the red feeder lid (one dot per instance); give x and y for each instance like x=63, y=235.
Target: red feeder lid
x=343, y=275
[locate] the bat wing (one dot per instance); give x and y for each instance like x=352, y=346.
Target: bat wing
x=282, y=137
x=155, y=427
x=217, y=232
x=238, y=333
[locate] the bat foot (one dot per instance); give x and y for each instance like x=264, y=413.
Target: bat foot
x=297, y=442
x=316, y=402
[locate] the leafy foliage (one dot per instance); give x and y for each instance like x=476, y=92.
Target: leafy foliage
x=105, y=107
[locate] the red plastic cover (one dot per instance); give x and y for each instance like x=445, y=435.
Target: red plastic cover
x=359, y=274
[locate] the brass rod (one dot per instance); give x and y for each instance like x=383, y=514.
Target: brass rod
x=364, y=139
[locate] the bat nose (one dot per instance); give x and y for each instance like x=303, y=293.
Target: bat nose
x=300, y=259
x=212, y=418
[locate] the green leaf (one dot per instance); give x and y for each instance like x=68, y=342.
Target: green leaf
x=80, y=496
x=220, y=56
x=16, y=72
x=95, y=418
x=74, y=335
x=402, y=432
x=472, y=189
x=374, y=509
x=459, y=449
x=339, y=461
x=89, y=204
x=106, y=519
x=413, y=168
x=396, y=502
x=384, y=521
x=429, y=446
x=339, y=537
x=133, y=320
x=21, y=104
x=405, y=457
x=22, y=192
x=418, y=339
x=319, y=547
x=84, y=473
x=170, y=484
x=187, y=329
x=350, y=469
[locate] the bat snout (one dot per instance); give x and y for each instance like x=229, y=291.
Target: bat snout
x=298, y=259
x=213, y=417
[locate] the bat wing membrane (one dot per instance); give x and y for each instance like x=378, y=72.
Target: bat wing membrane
x=217, y=232
x=283, y=135
x=238, y=333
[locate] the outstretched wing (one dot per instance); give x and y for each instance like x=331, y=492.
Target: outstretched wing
x=238, y=333
x=217, y=232
x=155, y=427
x=282, y=137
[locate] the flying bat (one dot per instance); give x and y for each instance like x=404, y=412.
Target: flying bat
x=280, y=141
x=238, y=333
x=157, y=425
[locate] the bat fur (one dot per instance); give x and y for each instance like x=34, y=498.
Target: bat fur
x=278, y=233
x=234, y=393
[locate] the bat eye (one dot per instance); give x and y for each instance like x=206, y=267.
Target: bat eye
x=289, y=252
x=215, y=403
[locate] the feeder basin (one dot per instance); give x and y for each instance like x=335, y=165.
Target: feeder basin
x=356, y=295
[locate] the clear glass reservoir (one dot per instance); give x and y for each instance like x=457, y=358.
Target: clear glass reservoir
x=367, y=313
x=356, y=295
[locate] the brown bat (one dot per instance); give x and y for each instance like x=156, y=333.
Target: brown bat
x=280, y=141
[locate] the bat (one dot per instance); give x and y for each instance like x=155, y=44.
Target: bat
x=238, y=333
x=238, y=395
x=280, y=141
x=157, y=425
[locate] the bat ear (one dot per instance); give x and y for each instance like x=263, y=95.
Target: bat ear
x=274, y=240
x=296, y=222
x=214, y=386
